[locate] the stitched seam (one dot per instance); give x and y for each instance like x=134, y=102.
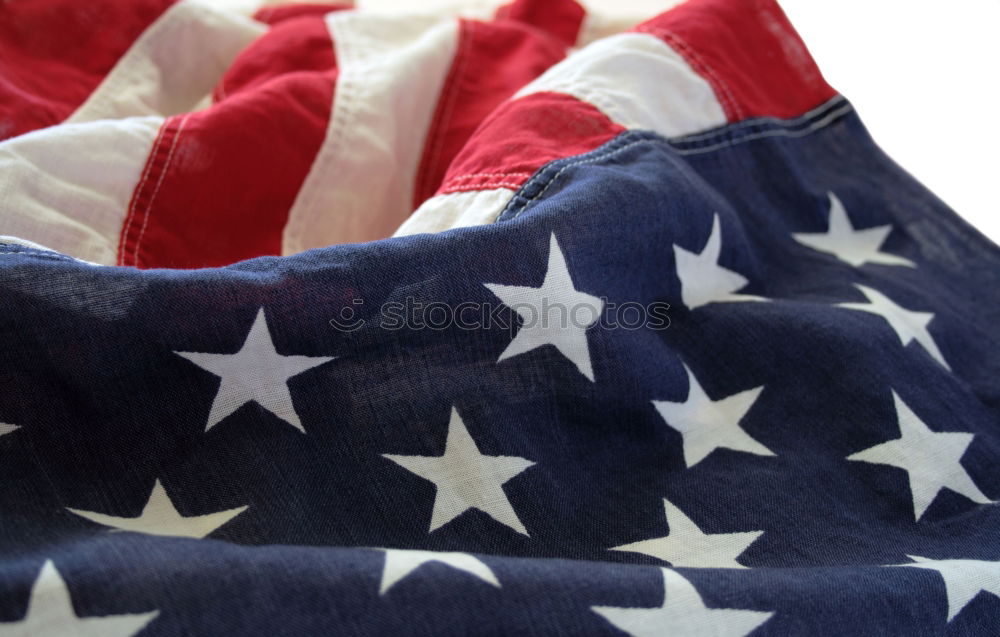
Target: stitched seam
x=471, y=175
x=757, y=125
x=589, y=160
x=485, y=186
x=127, y=227
x=779, y=132
x=41, y=255
x=590, y=97
x=801, y=120
x=156, y=190
x=698, y=65
x=499, y=180
x=716, y=79
x=685, y=52
x=540, y=175
x=437, y=131
x=595, y=99
x=818, y=123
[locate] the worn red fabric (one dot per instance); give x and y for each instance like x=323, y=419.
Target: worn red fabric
x=219, y=183
x=560, y=18
x=493, y=61
x=274, y=14
x=522, y=135
x=749, y=53
x=53, y=54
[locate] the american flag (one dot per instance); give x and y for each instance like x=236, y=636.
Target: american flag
x=524, y=321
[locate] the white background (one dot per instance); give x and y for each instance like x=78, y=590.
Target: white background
x=925, y=79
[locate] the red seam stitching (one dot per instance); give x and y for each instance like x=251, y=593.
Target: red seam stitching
x=127, y=225
x=485, y=186
x=156, y=190
x=714, y=79
x=729, y=103
x=471, y=175
x=715, y=75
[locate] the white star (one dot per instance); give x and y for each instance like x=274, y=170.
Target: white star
x=574, y=312
x=932, y=460
x=706, y=425
x=908, y=325
x=6, y=429
x=50, y=612
x=683, y=613
x=400, y=563
x=686, y=545
x=855, y=247
x=963, y=579
x=159, y=517
x=703, y=280
x=255, y=373
x=466, y=479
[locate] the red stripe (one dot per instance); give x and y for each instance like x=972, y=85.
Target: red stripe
x=492, y=61
x=137, y=218
x=279, y=13
x=561, y=19
x=748, y=52
x=54, y=53
x=219, y=183
x=298, y=44
x=522, y=135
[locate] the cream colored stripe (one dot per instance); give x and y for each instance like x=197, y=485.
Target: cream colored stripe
x=633, y=78
x=360, y=186
x=637, y=81
x=456, y=210
x=173, y=65
x=68, y=187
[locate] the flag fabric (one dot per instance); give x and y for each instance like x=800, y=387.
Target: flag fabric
x=661, y=343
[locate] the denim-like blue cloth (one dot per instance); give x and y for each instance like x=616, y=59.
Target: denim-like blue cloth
x=105, y=408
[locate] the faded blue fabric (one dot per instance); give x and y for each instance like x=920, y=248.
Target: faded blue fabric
x=105, y=408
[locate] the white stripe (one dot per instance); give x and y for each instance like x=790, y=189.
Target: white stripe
x=172, y=65
x=360, y=186
x=633, y=78
x=456, y=210
x=68, y=187
x=637, y=81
